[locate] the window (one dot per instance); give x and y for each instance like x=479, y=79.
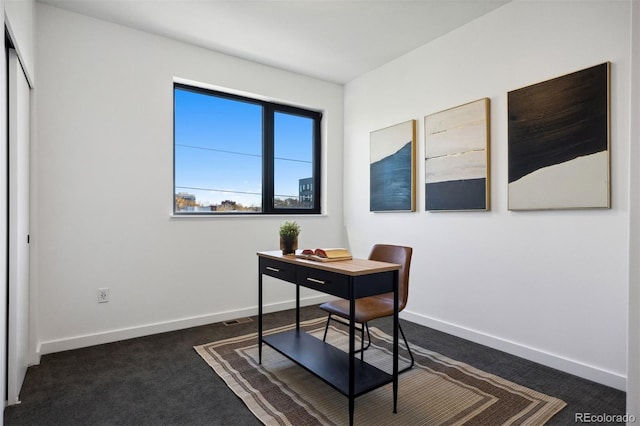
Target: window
x=236, y=155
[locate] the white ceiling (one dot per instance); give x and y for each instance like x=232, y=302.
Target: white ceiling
x=334, y=40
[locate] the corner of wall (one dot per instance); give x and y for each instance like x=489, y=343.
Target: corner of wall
x=633, y=340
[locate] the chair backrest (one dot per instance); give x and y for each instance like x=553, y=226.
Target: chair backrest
x=402, y=256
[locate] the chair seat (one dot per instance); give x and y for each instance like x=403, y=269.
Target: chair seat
x=367, y=308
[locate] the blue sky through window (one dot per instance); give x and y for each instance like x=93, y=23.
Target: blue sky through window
x=218, y=150
x=293, y=153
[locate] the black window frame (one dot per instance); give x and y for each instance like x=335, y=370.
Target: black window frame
x=269, y=110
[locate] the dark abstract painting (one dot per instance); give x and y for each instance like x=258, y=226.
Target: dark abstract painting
x=559, y=142
x=392, y=168
x=457, y=158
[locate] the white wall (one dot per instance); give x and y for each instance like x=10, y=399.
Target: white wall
x=104, y=183
x=4, y=237
x=547, y=285
x=633, y=367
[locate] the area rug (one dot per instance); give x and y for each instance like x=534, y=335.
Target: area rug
x=436, y=391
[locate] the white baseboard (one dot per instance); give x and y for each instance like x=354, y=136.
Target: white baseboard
x=592, y=373
x=77, y=342
x=570, y=366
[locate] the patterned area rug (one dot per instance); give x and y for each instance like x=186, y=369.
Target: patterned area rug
x=436, y=391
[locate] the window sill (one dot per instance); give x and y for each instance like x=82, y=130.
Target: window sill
x=173, y=216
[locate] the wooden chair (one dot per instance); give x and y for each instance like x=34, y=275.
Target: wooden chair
x=379, y=306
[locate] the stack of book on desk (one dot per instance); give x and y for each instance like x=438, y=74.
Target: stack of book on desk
x=325, y=255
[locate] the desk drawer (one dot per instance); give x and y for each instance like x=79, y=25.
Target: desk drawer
x=282, y=270
x=324, y=281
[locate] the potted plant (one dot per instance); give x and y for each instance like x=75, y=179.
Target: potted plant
x=289, y=232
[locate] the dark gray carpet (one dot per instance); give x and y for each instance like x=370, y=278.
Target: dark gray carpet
x=161, y=380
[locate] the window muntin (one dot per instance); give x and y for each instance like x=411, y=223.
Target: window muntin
x=243, y=156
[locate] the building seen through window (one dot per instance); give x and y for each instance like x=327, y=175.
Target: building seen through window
x=186, y=202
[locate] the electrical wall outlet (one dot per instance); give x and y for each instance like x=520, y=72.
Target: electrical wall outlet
x=103, y=295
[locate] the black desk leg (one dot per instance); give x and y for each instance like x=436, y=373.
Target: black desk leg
x=259, y=317
x=297, y=306
x=352, y=385
x=396, y=326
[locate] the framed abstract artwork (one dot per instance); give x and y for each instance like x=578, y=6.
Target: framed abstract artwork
x=392, y=168
x=559, y=142
x=457, y=158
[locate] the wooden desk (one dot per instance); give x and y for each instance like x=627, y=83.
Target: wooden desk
x=348, y=279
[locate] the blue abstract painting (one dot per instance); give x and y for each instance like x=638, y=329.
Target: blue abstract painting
x=392, y=168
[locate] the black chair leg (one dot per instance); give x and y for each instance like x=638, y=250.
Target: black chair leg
x=362, y=342
x=366, y=325
x=408, y=349
x=363, y=348
x=362, y=329
x=326, y=327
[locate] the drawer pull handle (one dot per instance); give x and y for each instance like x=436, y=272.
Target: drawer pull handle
x=273, y=269
x=313, y=280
